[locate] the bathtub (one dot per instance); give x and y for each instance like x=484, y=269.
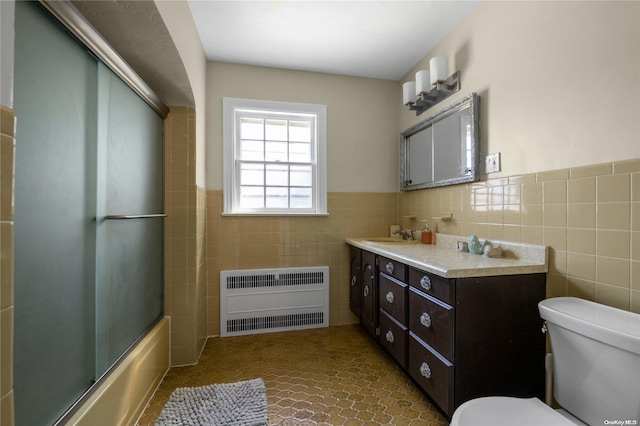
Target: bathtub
x=121, y=396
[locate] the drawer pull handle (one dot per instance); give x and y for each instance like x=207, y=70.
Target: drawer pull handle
x=389, y=267
x=366, y=290
x=353, y=280
x=390, y=297
x=425, y=282
x=425, y=370
x=425, y=319
x=389, y=336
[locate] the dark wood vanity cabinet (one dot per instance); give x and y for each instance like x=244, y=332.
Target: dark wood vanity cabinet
x=369, y=293
x=363, y=288
x=499, y=347
x=355, y=280
x=459, y=338
x=392, y=301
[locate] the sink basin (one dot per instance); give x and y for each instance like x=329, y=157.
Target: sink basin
x=388, y=240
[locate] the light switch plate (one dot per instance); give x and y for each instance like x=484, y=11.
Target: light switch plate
x=492, y=163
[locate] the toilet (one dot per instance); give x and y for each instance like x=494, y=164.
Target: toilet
x=596, y=372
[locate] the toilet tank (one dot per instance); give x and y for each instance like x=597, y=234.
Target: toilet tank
x=596, y=356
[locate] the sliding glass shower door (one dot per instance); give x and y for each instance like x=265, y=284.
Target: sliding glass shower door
x=55, y=193
x=129, y=219
x=88, y=278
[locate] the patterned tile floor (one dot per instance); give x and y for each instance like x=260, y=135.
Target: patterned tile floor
x=329, y=376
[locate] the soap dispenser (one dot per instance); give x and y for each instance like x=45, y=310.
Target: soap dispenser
x=426, y=233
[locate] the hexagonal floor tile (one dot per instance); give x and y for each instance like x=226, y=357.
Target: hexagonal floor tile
x=327, y=376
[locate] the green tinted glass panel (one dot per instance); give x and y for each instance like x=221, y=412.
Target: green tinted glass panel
x=129, y=294
x=55, y=98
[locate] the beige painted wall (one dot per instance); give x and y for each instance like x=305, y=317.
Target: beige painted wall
x=362, y=130
x=560, y=88
x=559, y=81
x=177, y=17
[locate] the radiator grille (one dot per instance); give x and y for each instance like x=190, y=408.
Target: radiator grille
x=271, y=280
x=275, y=322
x=264, y=300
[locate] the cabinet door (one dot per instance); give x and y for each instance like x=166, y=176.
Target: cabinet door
x=392, y=297
x=393, y=337
x=355, y=280
x=432, y=372
x=498, y=343
x=433, y=285
x=369, y=318
x=393, y=268
x=432, y=321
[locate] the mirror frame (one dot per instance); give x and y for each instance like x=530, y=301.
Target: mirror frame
x=473, y=102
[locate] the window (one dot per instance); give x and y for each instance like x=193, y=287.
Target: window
x=274, y=157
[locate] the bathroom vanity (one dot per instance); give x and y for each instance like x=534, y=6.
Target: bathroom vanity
x=461, y=325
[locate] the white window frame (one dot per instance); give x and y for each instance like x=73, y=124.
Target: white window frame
x=231, y=184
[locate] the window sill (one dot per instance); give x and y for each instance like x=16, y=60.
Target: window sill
x=274, y=214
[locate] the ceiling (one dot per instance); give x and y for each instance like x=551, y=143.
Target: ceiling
x=378, y=39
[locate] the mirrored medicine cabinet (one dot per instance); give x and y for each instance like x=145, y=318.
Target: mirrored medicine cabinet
x=444, y=149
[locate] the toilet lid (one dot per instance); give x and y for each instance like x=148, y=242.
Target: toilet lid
x=499, y=410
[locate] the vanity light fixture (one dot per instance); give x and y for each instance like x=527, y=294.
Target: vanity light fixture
x=431, y=86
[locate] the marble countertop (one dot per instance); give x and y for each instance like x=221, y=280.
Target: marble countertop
x=442, y=259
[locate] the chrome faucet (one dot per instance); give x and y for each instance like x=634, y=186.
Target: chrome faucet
x=406, y=234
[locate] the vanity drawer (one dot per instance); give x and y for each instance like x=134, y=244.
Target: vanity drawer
x=393, y=297
x=441, y=288
x=393, y=337
x=432, y=372
x=432, y=321
x=392, y=268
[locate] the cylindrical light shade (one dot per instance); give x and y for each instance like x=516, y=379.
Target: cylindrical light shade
x=409, y=93
x=423, y=82
x=439, y=69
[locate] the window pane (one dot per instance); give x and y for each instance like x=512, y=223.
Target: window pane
x=278, y=136
x=300, y=176
x=300, y=152
x=300, y=131
x=277, y=197
x=276, y=130
x=276, y=151
x=300, y=198
x=277, y=175
x=251, y=174
x=251, y=128
x=251, y=197
x=251, y=150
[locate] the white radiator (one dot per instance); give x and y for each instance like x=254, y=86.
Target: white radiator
x=256, y=301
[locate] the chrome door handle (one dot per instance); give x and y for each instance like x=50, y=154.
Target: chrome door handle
x=390, y=297
x=425, y=370
x=389, y=267
x=389, y=336
x=425, y=282
x=425, y=319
